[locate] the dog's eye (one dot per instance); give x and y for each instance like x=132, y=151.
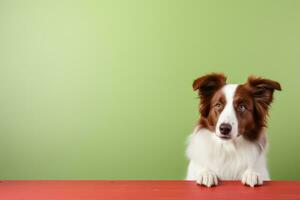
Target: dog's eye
x=241, y=108
x=219, y=105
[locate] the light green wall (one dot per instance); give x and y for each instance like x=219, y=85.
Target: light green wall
x=102, y=89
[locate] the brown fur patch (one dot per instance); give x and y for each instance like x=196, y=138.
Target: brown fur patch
x=207, y=87
x=218, y=103
x=256, y=96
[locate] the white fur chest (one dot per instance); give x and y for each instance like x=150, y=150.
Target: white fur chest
x=228, y=159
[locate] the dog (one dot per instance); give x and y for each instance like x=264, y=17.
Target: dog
x=229, y=141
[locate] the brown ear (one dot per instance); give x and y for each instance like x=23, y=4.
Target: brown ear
x=262, y=91
x=207, y=85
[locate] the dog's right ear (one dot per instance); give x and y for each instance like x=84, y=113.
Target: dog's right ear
x=207, y=85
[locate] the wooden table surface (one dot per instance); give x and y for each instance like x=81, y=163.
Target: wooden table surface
x=143, y=190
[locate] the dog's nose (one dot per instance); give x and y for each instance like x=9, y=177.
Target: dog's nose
x=225, y=129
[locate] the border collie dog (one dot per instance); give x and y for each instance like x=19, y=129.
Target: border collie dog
x=229, y=141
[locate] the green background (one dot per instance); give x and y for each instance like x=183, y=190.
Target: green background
x=102, y=89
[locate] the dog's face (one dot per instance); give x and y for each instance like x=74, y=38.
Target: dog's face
x=231, y=110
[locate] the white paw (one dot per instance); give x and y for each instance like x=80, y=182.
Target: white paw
x=207, y=178
x=251, y=178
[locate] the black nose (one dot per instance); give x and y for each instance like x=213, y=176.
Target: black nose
x=225, y=129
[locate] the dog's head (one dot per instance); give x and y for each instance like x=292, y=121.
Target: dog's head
x=231, y=110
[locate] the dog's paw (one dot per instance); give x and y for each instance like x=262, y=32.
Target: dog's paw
x=251, y=178
x=207, y=178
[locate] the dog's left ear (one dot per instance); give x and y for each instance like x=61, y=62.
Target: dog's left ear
x=262, y=91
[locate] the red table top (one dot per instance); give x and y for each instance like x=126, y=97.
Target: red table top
x=143, y=190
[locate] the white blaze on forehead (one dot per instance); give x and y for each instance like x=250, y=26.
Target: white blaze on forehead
x=229, y=91
x=228, y=113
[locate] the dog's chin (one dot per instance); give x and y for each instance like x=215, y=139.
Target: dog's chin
x=223, y=137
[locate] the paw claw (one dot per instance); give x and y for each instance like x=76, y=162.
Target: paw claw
x=251, y=178
x=207, y=178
